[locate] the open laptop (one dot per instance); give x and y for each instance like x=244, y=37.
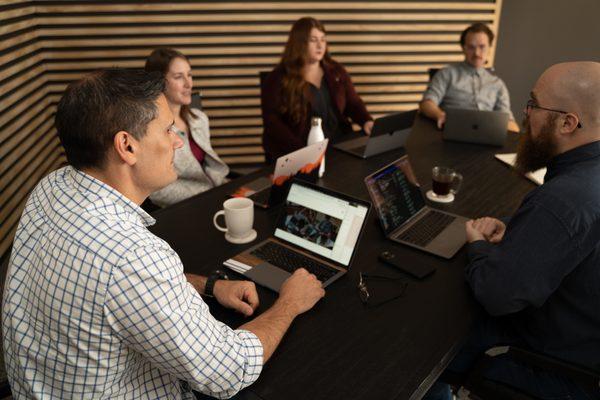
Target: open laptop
x=406, y=218
x=475, y=126
x=389, y=132
x=303, y=163
x=318, y=229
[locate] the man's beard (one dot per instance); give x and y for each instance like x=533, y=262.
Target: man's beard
x=533, y=154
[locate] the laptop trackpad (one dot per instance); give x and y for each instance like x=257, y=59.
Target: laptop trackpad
x=267, y=275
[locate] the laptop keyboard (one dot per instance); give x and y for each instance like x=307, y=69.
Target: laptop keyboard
x=427, y=228
x=290, y=261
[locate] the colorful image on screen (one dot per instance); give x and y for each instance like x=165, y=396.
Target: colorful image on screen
x=311, y=225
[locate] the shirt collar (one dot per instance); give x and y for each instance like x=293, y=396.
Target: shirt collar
x=569, y=158
x=88, y=183
x=471, y=69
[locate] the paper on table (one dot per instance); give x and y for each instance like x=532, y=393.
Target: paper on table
x=237, y=266
x=535, y=176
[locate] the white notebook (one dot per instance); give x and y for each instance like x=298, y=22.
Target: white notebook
x=535, y=176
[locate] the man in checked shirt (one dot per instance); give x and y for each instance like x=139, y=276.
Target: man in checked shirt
x=96, y=306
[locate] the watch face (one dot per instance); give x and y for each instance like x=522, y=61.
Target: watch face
x=218, y=274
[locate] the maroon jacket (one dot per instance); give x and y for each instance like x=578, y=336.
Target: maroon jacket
x=281, y=135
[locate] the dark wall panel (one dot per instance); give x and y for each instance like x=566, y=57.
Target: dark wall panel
x=534, y=35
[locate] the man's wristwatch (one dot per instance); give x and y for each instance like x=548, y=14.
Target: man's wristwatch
x=211, y=280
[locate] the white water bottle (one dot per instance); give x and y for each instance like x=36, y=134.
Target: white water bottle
x=316, y=135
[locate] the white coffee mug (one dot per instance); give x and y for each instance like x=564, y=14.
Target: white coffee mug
x=239, y=218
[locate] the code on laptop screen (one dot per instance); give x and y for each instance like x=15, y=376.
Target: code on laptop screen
x=395, y=193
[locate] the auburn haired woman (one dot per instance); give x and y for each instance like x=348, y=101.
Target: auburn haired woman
x=308, y=83
x=198, y=167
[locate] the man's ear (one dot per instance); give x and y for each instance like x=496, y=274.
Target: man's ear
x=126, y=147
x=570, y=123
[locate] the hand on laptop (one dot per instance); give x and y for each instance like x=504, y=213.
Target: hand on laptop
x=368, y=127
x=513, y=126
x=301, y=291
x=441, y=120
x=487, y=228
x=240, y=296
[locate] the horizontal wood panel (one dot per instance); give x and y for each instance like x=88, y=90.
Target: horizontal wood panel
x=47, y=143
x=387, y=47
x=264, y=17
x=9, y=164
x=8, y=226
x=195, y=29
x=251, y=159
x=270, y=6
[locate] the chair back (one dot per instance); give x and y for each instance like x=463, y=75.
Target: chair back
x=262, y=76
x=196, y=100
x=432, y=72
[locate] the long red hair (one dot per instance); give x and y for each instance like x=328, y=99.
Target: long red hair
x=294, y=90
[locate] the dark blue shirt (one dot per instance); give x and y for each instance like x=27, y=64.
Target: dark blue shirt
x=545, y=274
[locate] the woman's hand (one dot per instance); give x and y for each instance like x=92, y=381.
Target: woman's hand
x=368, y=127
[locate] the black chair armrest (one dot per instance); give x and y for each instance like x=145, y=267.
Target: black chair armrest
x=584, y=376
x=233, y=175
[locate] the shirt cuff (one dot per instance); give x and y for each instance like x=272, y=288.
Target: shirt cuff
x=254, y=355
x=432, y=97
x=478, y=248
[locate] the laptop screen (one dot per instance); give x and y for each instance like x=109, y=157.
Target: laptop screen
x=322, y=223
x=395, y=193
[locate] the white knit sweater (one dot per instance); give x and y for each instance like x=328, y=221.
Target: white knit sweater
x=193, y=178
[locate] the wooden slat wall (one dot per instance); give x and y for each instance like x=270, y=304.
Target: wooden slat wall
x=386, y=46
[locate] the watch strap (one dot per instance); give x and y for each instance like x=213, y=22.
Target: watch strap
x=211, y=280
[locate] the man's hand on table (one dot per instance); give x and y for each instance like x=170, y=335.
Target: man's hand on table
x=300, y=292
x=441, y=120
x=368, y=127
x=240, y=296
x=487, y=228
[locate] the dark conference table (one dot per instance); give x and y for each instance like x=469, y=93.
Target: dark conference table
x=342, y=349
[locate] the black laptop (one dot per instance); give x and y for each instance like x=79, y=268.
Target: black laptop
x=389, y=133
x=404, y=215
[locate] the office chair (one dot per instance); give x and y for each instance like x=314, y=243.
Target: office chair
x=262, y=76
x=478, y=387
x=196, y=100
x=432, y=72
x=149, y=206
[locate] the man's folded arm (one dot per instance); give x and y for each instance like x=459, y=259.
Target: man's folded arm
x=527, y=266
x=157, y=313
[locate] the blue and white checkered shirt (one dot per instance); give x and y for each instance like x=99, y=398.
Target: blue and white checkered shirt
x=96, y=306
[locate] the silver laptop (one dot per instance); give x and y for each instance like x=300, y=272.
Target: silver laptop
x=404, y=216
x=318, y=229
x=475, y=126
x=389, y=132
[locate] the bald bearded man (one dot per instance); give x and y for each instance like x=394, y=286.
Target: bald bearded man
x=538, y=277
